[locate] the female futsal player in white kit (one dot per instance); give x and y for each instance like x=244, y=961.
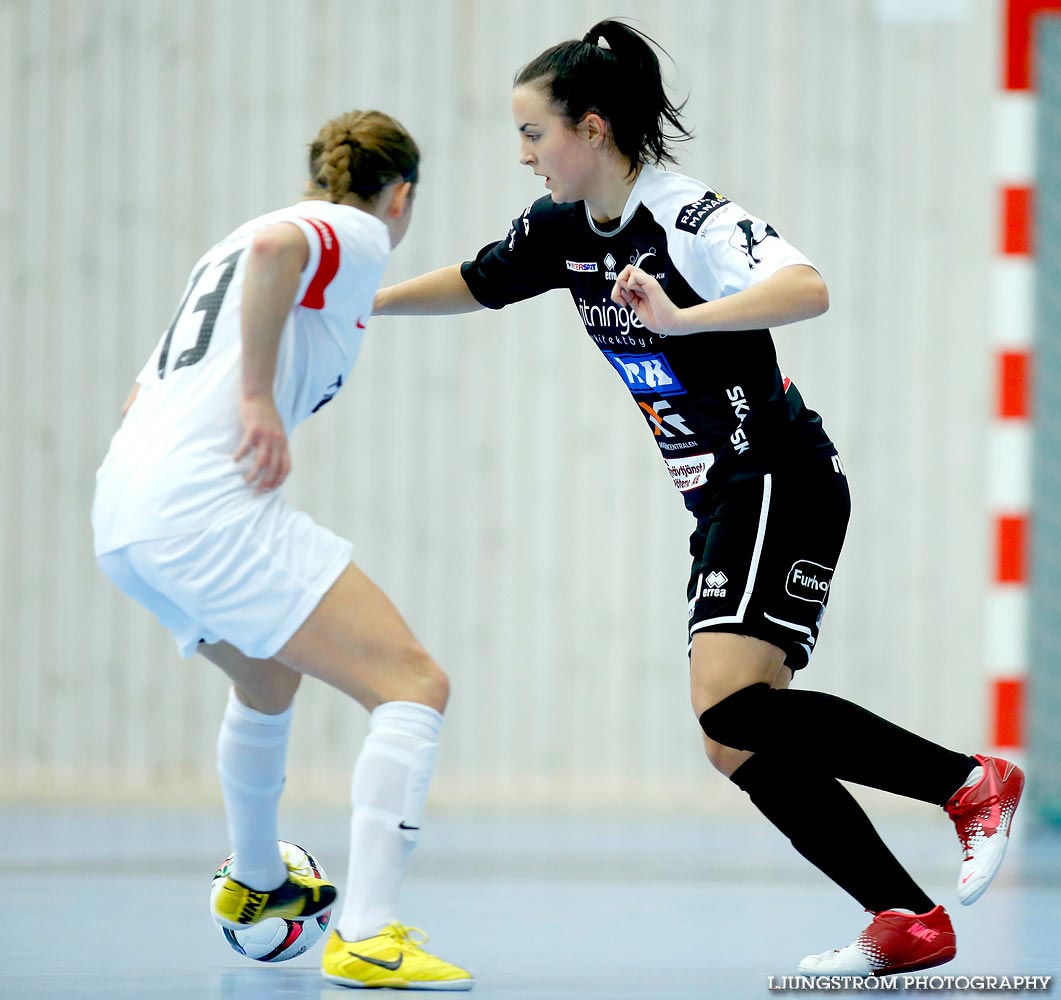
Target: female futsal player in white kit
x=189, y=522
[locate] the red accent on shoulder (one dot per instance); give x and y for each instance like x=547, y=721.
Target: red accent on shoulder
x=326, y=269
x=785, y=383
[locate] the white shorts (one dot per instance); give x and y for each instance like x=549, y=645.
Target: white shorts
x=251, y=580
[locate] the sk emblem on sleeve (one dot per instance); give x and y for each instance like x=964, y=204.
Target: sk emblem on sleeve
x=747, y=235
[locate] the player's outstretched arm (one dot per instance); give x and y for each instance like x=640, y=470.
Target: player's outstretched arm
x=794, y=293
x=437, y=293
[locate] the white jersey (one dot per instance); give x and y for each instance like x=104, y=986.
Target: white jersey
x=169, y=470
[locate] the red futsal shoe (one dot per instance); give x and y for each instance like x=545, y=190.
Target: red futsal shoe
x=982, y=810
x=896, y=941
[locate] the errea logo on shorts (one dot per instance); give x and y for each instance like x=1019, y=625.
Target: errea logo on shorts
x=809, y=581
x=711, y=584
x=714, y=584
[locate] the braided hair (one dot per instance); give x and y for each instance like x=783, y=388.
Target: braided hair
x=360, y=153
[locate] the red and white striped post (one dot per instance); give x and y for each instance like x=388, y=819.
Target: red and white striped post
x=1009, y=488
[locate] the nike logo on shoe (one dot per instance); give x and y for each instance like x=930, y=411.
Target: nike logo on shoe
x=967, y=877
x=393, y=966
x=919, y=930
x=405, y=826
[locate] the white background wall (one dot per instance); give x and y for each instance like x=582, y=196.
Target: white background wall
x=491, y=471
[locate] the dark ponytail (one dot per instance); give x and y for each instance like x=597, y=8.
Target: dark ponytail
x=622, y=83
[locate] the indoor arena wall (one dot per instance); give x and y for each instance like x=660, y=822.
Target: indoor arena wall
x=491, y=471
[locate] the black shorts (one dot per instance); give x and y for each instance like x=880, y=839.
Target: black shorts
x=763, y=557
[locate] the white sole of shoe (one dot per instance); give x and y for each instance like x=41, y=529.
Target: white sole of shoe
x=988, y=861
x=451, y=986
x=846, y=961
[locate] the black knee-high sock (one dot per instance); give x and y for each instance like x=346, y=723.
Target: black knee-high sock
x=839, y=738
x=829, y=828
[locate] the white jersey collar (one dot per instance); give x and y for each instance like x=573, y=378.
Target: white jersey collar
x=645, y=179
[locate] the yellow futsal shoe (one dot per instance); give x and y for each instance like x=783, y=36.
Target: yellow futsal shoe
x=298, y=897
x=394, y=959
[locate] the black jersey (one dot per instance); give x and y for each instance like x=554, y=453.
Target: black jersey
x=716, y=402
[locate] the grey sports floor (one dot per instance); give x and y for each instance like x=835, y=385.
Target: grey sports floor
x=113, y=905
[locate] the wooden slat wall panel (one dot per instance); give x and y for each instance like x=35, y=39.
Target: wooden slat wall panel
x=489, y=469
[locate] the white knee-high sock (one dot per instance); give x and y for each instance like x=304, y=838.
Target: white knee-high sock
x=251, y=755
x=389, y=789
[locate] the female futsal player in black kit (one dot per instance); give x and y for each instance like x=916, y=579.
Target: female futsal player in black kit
x=678, y=287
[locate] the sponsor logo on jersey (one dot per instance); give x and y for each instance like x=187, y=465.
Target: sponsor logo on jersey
x=741, y=409
x=747, y=235
x=677, y=445
x=608, y=315
x=603, y=340
x=646, y=374
x=514, y=231
x=577, y=265
x=690, y=472
x=692, y=216
x=638, y=258
x=809, y=581
x=665, y=424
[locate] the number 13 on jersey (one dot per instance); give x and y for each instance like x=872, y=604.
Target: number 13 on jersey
x=208, y=304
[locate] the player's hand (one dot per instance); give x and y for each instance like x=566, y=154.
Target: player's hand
x=644, y=296
x=263, y=434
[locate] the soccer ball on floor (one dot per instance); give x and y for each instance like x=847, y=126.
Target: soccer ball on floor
x=275, y=939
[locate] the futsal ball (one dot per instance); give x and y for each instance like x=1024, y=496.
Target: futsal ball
x=276, y=939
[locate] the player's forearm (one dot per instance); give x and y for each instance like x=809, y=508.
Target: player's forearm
x=437, y=293
x=269, y=289
x=792, y=294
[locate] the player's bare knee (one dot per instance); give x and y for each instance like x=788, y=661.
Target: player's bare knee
x=265, y=700
x=423, y=680
x=436, y=685
x=724, y=759
x=707, y=690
